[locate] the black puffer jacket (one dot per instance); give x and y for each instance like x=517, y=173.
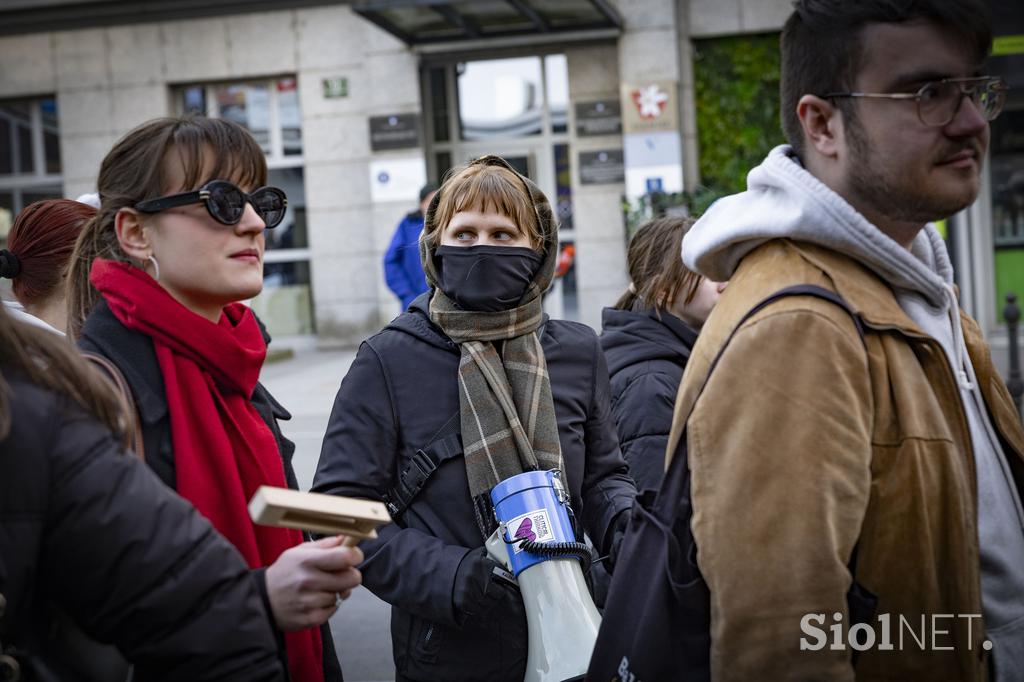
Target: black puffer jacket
x=88, y=531
x=133, y=354
x=398, y=397
x=646, y=356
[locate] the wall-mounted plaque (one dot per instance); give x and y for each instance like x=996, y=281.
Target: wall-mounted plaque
x=602, y=167
x=397, y=131
x=600, y=117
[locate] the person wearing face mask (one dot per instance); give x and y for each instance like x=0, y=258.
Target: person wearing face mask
x=471, y=385
x=647, y=337
x=155, y=286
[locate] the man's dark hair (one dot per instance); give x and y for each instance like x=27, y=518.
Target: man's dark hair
x=822, y=45
x=427, y=190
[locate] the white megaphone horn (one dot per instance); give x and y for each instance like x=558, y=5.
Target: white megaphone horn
x=536, y=542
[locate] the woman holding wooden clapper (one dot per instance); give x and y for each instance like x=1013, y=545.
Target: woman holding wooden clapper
x=155, y=285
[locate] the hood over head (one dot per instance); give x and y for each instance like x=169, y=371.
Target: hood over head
x=629, y=337
x=546, y=222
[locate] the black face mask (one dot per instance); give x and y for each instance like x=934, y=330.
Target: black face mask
x=486, y=278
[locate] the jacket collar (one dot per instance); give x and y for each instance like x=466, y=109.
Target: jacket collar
x=629, y=337
x=870, y=297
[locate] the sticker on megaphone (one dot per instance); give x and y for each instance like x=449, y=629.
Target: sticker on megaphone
x=533, y=526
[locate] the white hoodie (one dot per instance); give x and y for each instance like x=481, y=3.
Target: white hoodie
x=783, y=200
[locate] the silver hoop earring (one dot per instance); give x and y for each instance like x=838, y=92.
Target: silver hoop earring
x=156, y=267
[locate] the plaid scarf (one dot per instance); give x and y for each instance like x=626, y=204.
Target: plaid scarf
x=506, y=410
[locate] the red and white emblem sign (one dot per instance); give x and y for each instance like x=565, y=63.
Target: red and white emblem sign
x=650, y=101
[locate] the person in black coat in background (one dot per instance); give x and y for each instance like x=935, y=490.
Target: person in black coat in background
x=400, y=430
x=88, y=533
x=647, y=336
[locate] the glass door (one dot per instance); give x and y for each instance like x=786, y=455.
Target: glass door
x=516, y=108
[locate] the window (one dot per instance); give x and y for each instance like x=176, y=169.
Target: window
x=269, y=109
x=30, y=167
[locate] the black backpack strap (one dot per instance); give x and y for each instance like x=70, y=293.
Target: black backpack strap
x=795, y=290
x=445, y=445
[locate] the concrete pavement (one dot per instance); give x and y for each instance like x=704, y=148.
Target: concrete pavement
x=306, y=385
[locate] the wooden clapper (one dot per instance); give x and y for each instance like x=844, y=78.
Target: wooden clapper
x=317, y=513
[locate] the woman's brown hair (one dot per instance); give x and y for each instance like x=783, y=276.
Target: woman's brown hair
x=483, y=187
x=135, y=170
x=48, y=361
x=656, y=271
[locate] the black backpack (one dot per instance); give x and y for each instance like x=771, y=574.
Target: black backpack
x=657, y=620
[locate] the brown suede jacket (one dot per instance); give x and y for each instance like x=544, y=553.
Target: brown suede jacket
x=807, y=442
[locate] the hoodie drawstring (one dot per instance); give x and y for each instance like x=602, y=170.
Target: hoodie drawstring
x=964, y=370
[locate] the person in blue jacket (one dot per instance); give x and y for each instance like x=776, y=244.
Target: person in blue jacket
x=402, y=269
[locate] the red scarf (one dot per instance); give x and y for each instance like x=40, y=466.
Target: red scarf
x=223, y=450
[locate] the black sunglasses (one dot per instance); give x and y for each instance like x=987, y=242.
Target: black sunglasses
x=225, y=202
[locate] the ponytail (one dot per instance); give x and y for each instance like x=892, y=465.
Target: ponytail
x=98, y=239
x=628, y=299
x=656, y=270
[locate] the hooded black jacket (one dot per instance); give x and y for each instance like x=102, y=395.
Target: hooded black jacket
x=646, y=357
x=398, y=396
x=132, y=352
x=88, y=531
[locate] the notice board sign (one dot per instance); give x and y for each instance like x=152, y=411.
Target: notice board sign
x=600, y=117
x=395, y=131
x=602, y=167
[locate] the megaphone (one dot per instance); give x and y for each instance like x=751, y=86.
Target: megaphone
x=536, y=542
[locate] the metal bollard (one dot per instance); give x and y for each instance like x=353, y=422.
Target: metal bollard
x=1011, y=313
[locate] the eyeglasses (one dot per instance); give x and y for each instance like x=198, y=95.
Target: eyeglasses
x=225, y=202
x=938, y=101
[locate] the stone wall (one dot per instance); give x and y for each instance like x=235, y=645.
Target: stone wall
x=109, y=80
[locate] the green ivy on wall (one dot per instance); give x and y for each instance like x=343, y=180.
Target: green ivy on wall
x=737, y=87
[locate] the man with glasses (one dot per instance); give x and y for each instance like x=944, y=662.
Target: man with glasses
x=821, y=454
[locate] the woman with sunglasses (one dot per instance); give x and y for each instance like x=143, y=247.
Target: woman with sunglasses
x=471, y=385
x=155, y=285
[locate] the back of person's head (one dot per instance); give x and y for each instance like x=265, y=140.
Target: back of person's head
x=427, y=190
x=657, y=274
x=39, y=247
x=49, y=362
x=822, y=45
x=137, y=169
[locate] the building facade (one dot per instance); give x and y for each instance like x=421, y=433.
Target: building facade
x=357, y=104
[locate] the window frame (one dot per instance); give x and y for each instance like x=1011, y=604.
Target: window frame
x=19, y=183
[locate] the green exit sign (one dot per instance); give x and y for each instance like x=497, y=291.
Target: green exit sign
x=335, y=87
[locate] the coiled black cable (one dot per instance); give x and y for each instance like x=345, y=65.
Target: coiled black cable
x=580, y=550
